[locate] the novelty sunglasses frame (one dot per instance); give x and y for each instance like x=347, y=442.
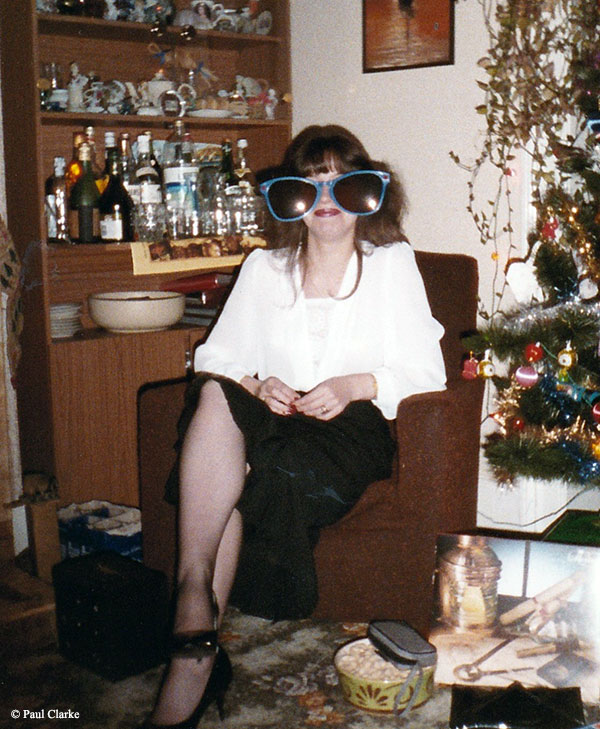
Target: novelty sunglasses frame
x=330, y=185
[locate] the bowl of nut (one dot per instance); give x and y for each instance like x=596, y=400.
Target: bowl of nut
x=370, y=682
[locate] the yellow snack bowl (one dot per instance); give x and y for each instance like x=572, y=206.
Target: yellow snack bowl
x=370, y=682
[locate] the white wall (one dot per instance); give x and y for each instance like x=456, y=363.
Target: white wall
x=413, y=118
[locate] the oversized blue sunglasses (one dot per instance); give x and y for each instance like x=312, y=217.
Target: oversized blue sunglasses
x=359, y=192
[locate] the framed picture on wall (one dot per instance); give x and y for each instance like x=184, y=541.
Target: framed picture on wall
x=407, y=34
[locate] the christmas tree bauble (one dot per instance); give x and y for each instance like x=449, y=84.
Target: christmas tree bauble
x=526, y=376
x=534, y=352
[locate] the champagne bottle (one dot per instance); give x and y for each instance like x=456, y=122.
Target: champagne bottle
x=84, y=214
x=73, y=171
x=146, y=174
x=115, y=205
x=57, y=204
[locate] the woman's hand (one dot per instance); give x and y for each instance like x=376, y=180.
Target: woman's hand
x=329, y=398
x=278, y=396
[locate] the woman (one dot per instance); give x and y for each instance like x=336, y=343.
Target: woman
x=285, y=425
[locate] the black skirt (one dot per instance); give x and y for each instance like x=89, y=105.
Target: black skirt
x=304, y=474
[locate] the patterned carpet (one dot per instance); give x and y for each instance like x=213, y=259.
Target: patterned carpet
x=283, y=679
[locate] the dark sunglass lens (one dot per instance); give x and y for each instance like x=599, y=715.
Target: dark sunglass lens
x=291, y=198
x=359, y=193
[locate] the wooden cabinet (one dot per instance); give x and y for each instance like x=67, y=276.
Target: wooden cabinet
x=77, y=397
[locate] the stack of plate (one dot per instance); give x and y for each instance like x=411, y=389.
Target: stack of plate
x=65, y=320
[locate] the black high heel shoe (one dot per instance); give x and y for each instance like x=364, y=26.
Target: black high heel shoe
x=218, y=683
x=198, y=645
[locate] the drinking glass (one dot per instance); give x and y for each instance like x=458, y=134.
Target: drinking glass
x=150, y=222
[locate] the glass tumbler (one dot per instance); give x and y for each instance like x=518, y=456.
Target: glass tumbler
x=150, y=222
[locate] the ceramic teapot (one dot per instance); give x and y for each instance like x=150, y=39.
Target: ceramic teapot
x=151, y=91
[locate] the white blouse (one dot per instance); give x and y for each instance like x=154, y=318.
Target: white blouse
x=385, y=327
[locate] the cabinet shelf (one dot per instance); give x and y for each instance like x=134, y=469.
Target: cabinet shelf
x=77, y=397
x=74, y=272
x=66, y=118
x=65, y=25
x=93, y=333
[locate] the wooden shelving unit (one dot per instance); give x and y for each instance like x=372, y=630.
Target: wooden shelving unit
x=77, y=398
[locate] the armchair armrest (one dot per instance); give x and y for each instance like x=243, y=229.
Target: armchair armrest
x=438, y=435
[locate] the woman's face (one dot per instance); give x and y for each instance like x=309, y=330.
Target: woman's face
x=327, y=221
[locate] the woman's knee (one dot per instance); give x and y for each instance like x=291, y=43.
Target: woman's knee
x=213, y=409
x=212, y=394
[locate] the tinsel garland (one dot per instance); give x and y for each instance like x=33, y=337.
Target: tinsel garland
x=532, y=455
x=560, y=438
x=572, y=320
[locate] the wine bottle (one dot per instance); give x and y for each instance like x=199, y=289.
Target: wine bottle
x=84, y=213
x=73, y=171
x=110, y=144
x=127, y=167
x=57, y=204
x=115, y=205
x=153, y=159
x=90, y=138
x=146, y=174
x=226, y=170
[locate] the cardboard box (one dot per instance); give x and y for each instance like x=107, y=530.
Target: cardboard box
x=509, y=609
x=96, y=526
x=42, y=530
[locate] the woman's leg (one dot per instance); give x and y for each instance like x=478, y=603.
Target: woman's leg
x=212, y=475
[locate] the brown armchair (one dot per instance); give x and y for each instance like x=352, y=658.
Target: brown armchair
x=378, y=561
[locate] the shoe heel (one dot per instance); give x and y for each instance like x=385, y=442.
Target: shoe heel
x=220, y=702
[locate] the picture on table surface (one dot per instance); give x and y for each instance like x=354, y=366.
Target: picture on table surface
x=521, y=610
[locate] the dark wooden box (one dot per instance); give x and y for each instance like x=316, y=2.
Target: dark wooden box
x=112, y=614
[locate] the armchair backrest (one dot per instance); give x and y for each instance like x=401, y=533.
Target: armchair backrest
x=452, y=284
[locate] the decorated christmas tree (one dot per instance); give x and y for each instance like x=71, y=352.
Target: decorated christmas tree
x=542, y=354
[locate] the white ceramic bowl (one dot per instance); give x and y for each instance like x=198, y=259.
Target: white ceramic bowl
x=136, y=311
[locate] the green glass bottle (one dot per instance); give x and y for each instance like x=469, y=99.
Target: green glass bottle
x=84, y=212
x=115, y=205
x=226, y=171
